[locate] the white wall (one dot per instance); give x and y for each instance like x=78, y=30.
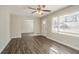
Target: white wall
x=27, y=26
x=17, y=25
x=4, y=27
x=37, y=26
x=71, y=41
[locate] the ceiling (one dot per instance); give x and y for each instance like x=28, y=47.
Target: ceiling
x=24, y=11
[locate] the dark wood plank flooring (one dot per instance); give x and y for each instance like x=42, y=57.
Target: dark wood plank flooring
x=36, y=45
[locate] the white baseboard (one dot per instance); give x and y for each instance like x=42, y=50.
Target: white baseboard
x=36, y=34
x=16, y=37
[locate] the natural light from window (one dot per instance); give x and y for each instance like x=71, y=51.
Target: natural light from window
x=68, y=24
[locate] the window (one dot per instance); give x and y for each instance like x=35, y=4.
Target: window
x=55, y=24
x=66, y=24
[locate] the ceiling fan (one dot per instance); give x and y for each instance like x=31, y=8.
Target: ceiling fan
x=40, y=9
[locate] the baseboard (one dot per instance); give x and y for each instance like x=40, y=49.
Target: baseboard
x=36, y=34
x=16, y=37
x=77, y=49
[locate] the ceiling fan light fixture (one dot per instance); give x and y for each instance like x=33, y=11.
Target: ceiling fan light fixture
x=39, y=12
x=40, y=9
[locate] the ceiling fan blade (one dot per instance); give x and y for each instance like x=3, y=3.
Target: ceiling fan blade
x=31, y=8
x=43, y=6
x=46, y=10
x=33, y=12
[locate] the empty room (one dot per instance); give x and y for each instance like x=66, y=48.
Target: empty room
x=39, y=29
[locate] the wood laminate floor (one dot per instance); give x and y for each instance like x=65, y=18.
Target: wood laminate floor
x=29, y=44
